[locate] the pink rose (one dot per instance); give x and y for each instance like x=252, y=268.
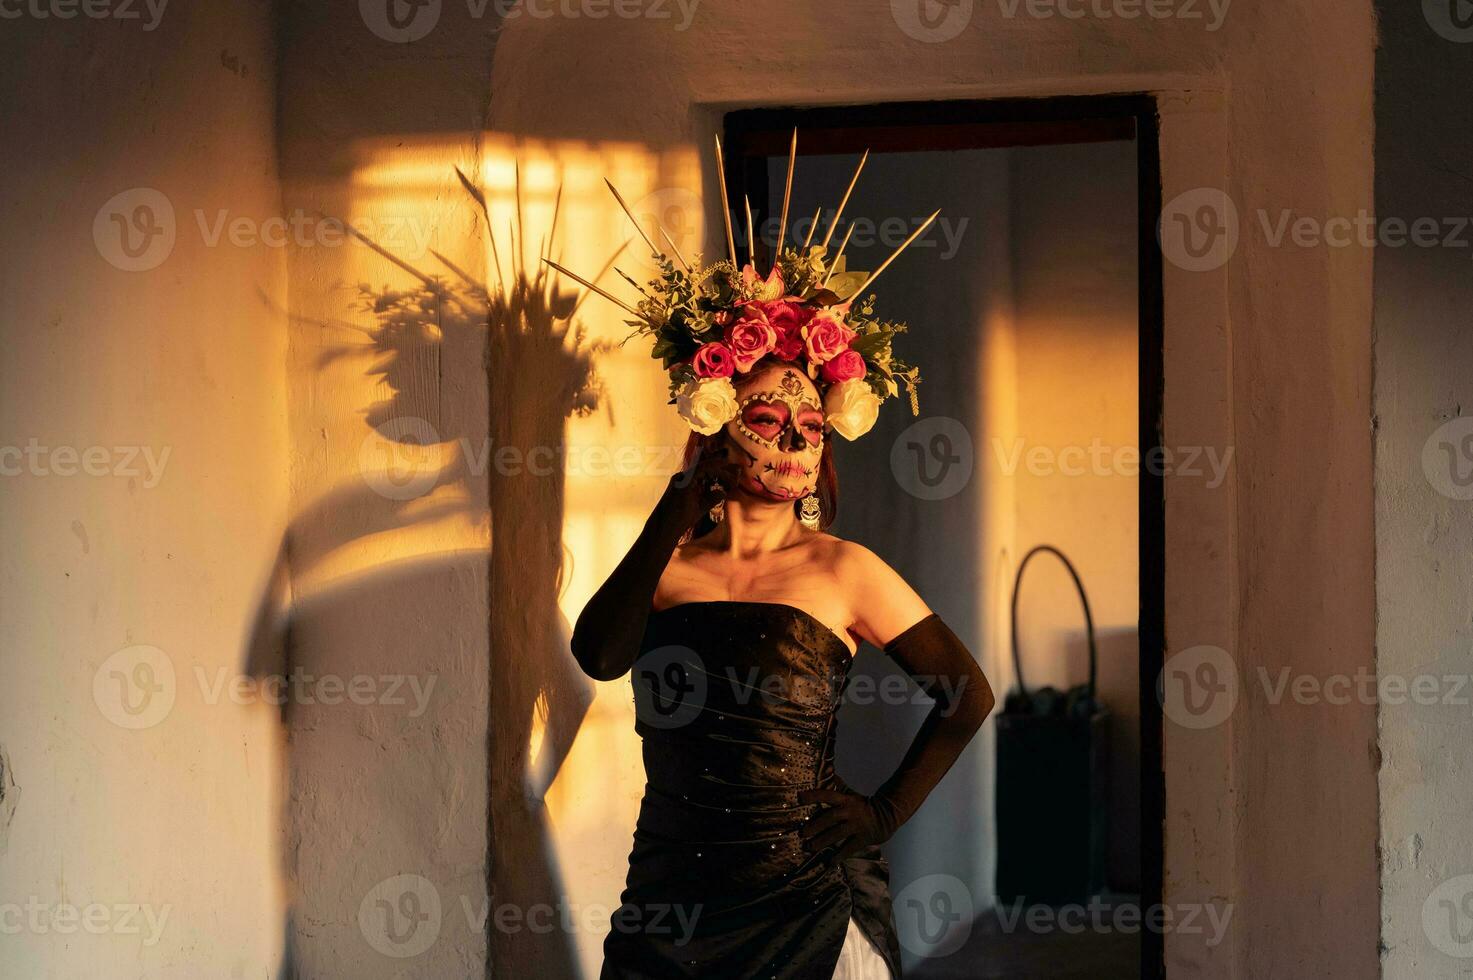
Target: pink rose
x=826, y=336
x=713, y=360
x=788, y=316
x=846, y=366
x=750, y=338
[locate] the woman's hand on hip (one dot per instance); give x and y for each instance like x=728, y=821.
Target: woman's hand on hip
x=845, y=819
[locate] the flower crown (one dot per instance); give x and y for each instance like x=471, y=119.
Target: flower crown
x=713, y=323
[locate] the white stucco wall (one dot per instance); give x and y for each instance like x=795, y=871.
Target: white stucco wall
x=1424, y=500
x=388, y=541
x=138, y=834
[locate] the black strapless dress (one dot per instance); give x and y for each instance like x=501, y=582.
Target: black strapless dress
x=736, y=706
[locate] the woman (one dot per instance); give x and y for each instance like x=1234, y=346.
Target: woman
x=737, y=616
x=751, y=858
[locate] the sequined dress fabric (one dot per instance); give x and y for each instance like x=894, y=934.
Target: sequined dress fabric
x=736, y=707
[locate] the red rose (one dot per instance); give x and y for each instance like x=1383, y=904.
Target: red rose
x=826, y=336
x=788, y=318
x=713, y=360
x=846, y=366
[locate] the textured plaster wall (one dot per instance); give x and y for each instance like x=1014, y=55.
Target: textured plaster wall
x=388, y=547
x=138, y=833
x=1274, y=809
x=1424, y=497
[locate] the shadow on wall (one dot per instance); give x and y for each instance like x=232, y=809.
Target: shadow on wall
x=389, y=729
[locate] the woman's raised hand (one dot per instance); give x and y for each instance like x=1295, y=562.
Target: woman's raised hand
x=696, y=489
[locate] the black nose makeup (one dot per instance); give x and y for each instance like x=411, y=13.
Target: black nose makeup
x=792, y=439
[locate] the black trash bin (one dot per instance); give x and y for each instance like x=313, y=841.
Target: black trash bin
x=1052, y=794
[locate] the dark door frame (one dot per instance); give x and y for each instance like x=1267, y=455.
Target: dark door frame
x=753, y=135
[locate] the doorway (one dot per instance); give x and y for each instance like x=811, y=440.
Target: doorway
x=1034, y=303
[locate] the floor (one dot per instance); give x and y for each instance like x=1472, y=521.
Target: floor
x=1002, y=946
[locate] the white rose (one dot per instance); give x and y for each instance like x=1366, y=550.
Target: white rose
x=707, y=404
x=851, y=407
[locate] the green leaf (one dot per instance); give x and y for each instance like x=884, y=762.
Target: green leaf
x=870, y=343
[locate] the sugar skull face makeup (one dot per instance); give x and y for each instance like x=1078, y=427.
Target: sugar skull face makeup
x=777, y=435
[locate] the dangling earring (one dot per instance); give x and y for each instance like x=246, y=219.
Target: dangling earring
x=717, y=513
x=809, y=512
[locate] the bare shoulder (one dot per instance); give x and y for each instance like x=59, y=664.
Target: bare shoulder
x=884, y=604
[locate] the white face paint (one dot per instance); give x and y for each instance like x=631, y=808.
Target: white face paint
x=777, y=435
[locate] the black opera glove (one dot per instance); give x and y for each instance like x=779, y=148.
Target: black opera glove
x=848, y=820
x=942, y=666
